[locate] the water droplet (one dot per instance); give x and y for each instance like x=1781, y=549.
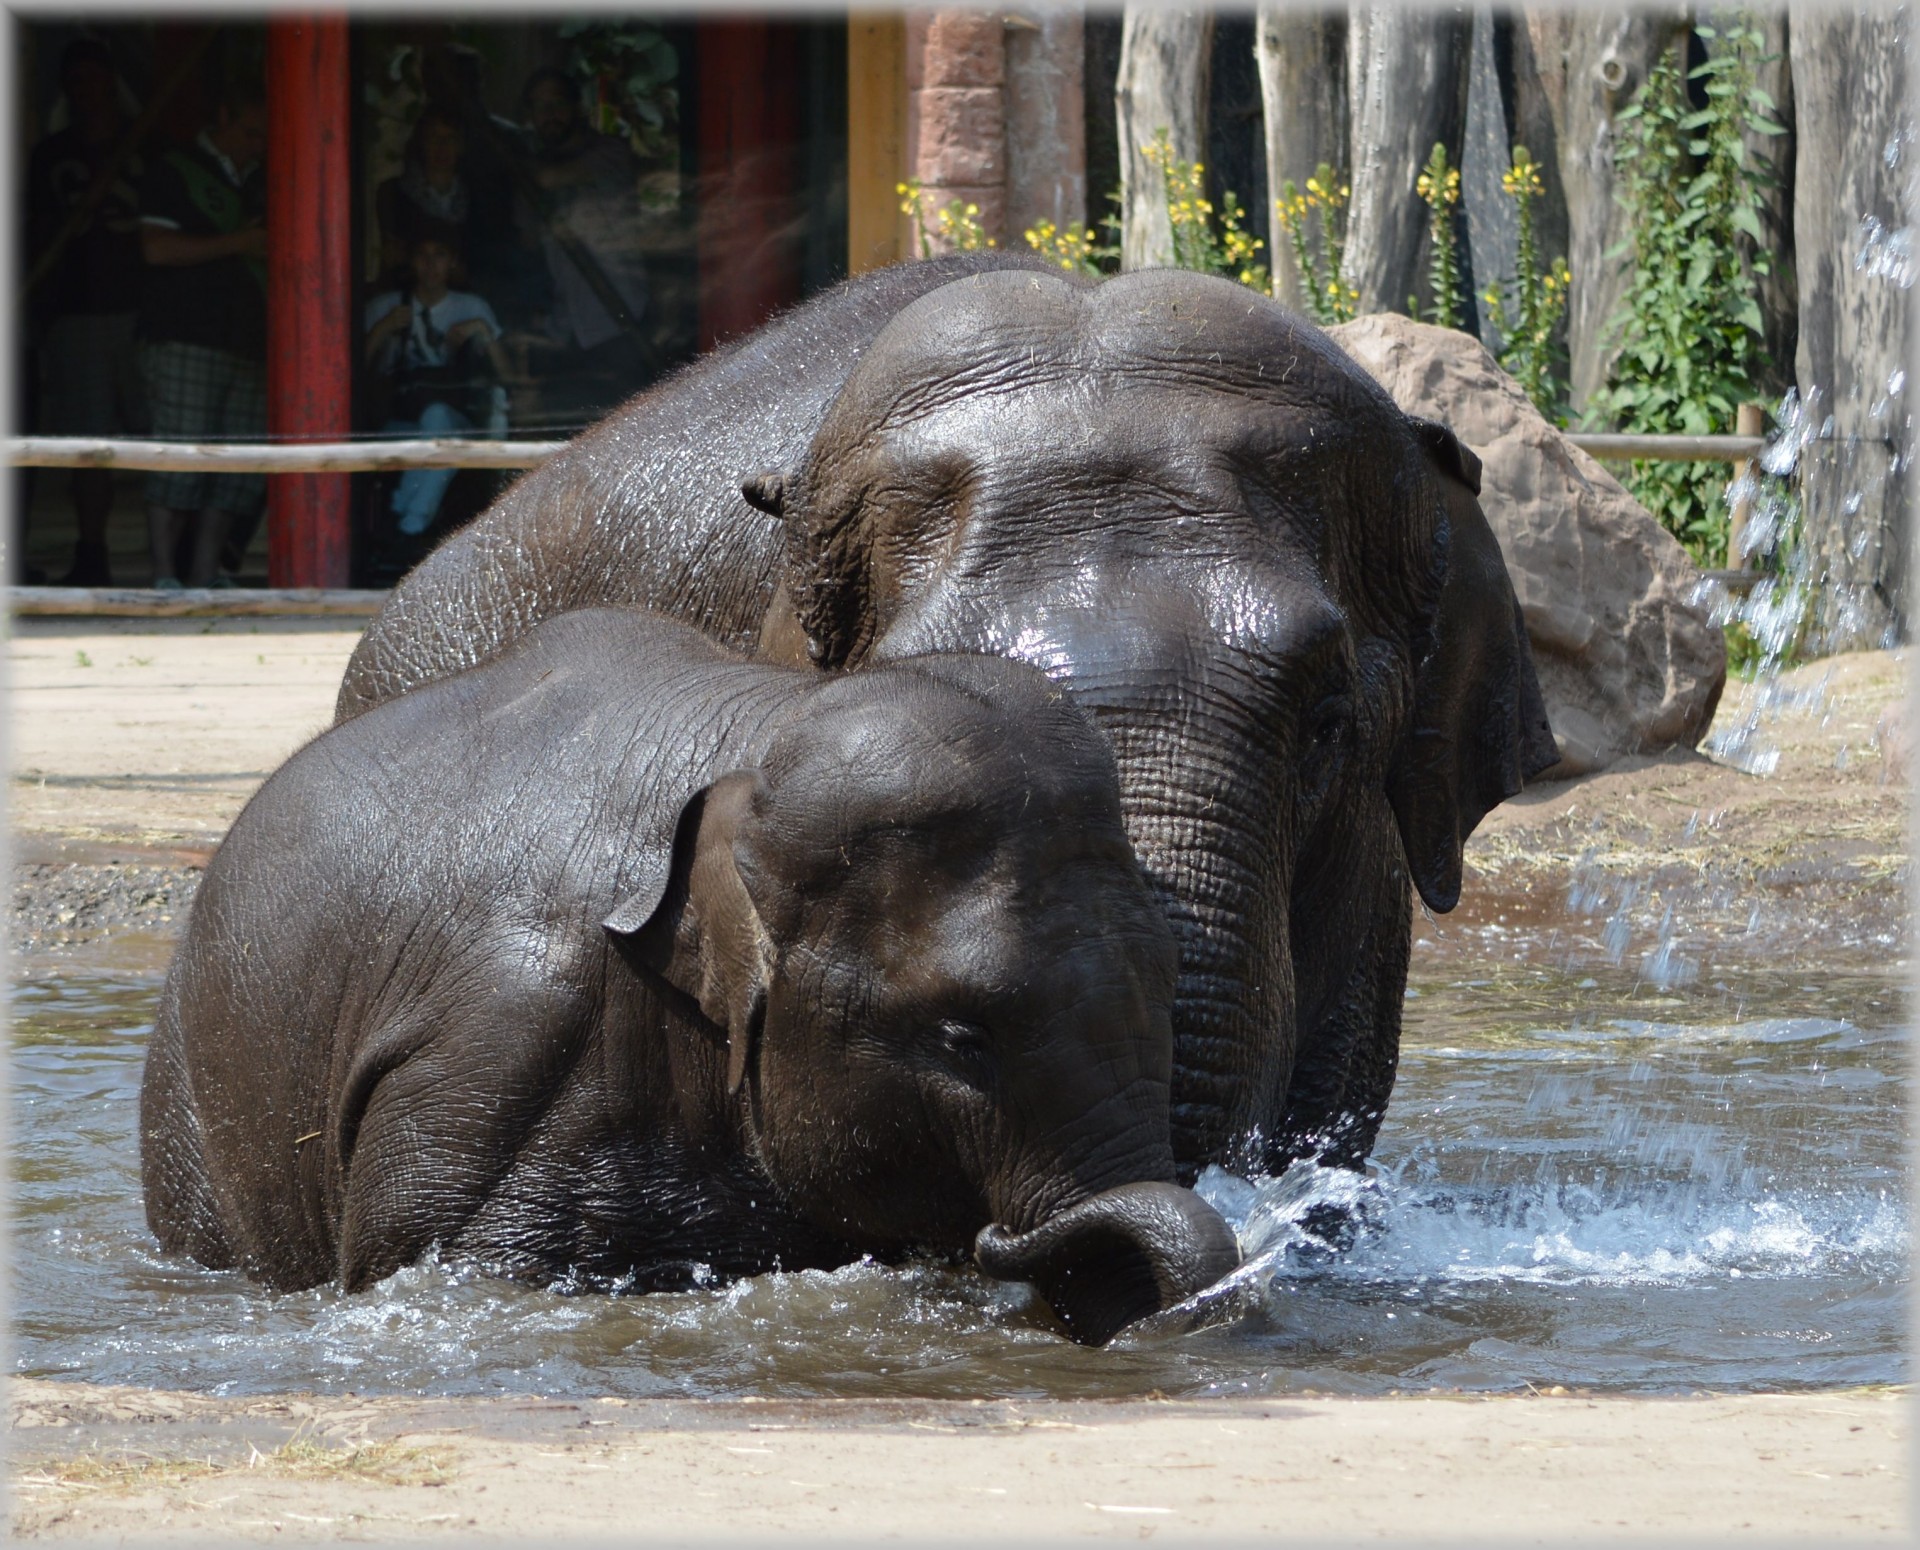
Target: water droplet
x=1884, y=254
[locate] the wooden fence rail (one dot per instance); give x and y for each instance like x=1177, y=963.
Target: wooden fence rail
x=310, y=457
x=194, y=603
x=340, y=457
x=454, y=452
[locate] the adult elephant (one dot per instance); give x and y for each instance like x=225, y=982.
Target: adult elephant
x=644, y=509
x=1275, y=591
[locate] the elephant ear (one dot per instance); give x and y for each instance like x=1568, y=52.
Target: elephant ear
x=766, y=491
x=689, y=919
x=1477, y=730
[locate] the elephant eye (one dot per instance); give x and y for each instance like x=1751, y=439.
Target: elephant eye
x=1324, y=743
x=966, y=1047
x=1328, y=723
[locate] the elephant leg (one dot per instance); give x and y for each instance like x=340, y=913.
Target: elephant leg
x=1344, y=1073
x=181, y=1208
x=429, y=1128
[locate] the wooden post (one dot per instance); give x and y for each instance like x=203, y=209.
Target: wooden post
x=1406, y=90
x=1302, y=58
x=309, y=291
x=1749, y=420
x=1577, y=69
x=1046, y=120
x=749, y=134
x=1165, y=56
x=877, y=233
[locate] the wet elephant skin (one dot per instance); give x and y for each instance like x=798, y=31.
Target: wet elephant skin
x=644, y=510
x=622, y=957
x=1276, y=593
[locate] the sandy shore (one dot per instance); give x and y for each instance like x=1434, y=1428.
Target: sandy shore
x=134, y=744
x=1534, y=1470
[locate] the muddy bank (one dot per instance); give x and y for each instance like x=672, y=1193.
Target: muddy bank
x=63, y=907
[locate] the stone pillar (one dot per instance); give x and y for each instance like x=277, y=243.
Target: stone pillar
x=1164, y=59
x=956, y=113
x=1855, y=152
x=1046, y=120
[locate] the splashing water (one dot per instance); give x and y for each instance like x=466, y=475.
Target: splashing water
x=1809, y=601
x=1886, y=254
x=1601, y=1183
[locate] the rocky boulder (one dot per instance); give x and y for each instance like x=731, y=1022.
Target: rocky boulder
x=1628, y=661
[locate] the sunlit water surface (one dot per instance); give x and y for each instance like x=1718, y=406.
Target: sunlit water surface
x=1583, y=1181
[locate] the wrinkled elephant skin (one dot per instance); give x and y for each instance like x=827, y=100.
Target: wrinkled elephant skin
x=1275, y=591
x=622, y=957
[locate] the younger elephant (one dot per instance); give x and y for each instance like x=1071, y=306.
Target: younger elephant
x=624, y=957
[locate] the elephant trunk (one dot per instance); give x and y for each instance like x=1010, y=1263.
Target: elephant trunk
x=1198, y=768
x=1115, y=1257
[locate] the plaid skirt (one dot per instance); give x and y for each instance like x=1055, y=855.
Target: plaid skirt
x=198, y=394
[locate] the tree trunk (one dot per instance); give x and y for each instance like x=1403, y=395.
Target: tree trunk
x=1576, y=71
x=1779, y=290
x=1854, y=270
x=1163, y=85
x=1303, y=81
x=1407, y=85
x=1046, y=120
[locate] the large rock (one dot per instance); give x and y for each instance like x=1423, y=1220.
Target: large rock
x=1628, y=661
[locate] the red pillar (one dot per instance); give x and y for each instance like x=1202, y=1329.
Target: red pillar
x=749, y=134
x=309, y=291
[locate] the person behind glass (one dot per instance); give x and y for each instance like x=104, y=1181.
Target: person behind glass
x=203, y=325
x=430, y=187
x=433, y=345
x=90, y=382
x=589, y=184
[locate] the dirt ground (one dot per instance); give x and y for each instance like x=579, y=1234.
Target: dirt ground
x=1532, y=1470
x=133, y=744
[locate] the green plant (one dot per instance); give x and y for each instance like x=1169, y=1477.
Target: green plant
x=1206, y=238
x=1526, y=317
x=957, y=223
x=1690, y=336
x=1439, y=185
x=1316, y=226
x=1073, y=248
x=632, y=67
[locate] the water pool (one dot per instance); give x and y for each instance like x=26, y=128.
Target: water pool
x=1586, y=1179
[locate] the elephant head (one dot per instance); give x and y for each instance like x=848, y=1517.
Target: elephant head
x=1274, y=591
x=941, y=985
